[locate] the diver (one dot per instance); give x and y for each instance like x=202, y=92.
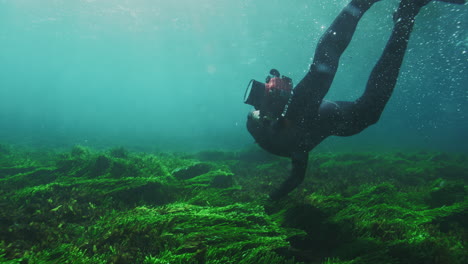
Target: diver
x=291, y=122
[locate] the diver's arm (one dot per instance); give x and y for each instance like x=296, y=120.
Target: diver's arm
x=299, y=166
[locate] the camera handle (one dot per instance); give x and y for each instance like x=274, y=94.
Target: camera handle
x=275, y=72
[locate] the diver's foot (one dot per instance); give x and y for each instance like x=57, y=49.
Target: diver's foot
x=421, y=3
x=410, y=8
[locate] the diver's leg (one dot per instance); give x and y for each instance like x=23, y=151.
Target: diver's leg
x=365, y=111
x=310, y=91
x=384, y=76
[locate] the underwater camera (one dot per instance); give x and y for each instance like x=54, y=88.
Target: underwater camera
x=269, y=97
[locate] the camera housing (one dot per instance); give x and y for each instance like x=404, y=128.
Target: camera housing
x=270, y=97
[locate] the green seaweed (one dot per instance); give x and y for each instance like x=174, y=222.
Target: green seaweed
x=117, y=206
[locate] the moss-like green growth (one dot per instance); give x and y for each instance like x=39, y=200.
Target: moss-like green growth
x=116, y=206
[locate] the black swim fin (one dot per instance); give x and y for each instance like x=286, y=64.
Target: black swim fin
x=425, y=2
x=458, y=2
x=420, y=3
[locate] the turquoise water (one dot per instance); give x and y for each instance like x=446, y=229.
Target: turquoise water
x=170, y=75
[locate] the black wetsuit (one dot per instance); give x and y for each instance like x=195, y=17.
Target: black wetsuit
x=312, y=119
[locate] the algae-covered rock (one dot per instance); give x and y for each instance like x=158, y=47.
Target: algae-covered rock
x=447, y=193
x=189, y=172
x=150, y=193
x=123, y=168
x=216, y=178
x=224, y=180
x=100, y=166
x=79, y=152
x=119, y=152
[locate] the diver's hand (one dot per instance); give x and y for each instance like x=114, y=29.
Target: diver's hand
x=299, y=162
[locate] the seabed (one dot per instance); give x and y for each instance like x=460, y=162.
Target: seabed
x=116, y=206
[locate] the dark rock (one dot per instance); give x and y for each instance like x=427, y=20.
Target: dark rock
x=447, y=194
x=222, y=181
x=101, y=166
x=119, y=152
x=149, y=193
